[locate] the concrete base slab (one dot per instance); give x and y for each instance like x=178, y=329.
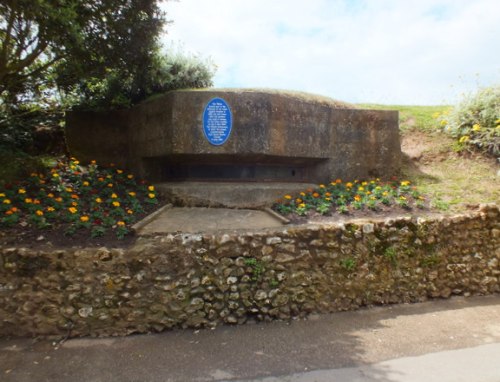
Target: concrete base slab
x=227, y=194
x=199, y=219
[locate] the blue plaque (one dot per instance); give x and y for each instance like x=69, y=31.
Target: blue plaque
x=217, y=121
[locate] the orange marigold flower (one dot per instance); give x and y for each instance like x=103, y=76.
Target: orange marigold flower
x=338, y=181
x=100, y=179
x=130, y=212
x=50, y=195
x=93, y=162
x=14, y=209
x=119, y=171
x=74, y=196
x=316, y=195
x=130, y=176
x=51, y=209
x=73, y=210
x=27, y=200
x=110, y=185
x=348, y=184
x=86, y=184
x=39, y=212
x=59, y=199
x=120, y=223
x=133, y=194
x=298, y=200
x=74, y=204
x=84, y=218
x=36, y=201
x=328, y=194
x=357, y=198
x=9, y=212
x=321, y=186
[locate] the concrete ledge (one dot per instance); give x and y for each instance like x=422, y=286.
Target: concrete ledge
x=227, y=194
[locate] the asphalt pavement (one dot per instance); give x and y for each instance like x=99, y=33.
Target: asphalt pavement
x=442, y=340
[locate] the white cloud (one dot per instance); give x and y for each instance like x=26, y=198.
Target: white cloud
x=387, y=51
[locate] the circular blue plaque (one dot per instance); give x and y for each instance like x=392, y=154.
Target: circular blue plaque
x=217, y=121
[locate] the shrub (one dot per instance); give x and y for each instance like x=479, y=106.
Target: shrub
x=475, y=122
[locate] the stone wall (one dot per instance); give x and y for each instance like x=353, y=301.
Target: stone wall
x=196, y=280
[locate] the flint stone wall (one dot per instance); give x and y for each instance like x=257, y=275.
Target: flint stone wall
x=191, y=280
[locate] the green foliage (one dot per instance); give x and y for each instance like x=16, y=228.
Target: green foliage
x=256, y=266
x=172, y=71
x=348, y=264
x=391, y=255
x=475, y=122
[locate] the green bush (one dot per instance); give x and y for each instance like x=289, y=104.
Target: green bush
x=475, y=122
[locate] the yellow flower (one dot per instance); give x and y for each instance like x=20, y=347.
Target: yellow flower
x=348, y=184
x=39, y=213
x=476, y=127
x=328, y=199
x=86, y=184
x=302, y=194
x=28, y=200
x=361, y=188
x=6, y=201
x=315, y=195
x=55, y=175
x=84, y=218
x=59, y=199
x=2, y=195
x=302, y=205
x=151, y=188
x=114, y=196
x=402, y=198
x=328, y=194
x=98, y=200
x=50, y=195
x=93, y=162
x=464, y=139
x=130, y=212
x=110, y=185
x=385, y=193
x=76, y=162
x=116, y=204
x=73, y=210
x=120, y=224
x=405, y=183
x=130, y=176
x=50, y=209
x=119, y=171
x=21, y=191
x=151, y=196
x=298, y=200
x=444, y=122
x=74, y=204
x=436, y=115
x=364, y=184
x=321, y=186
x=132, y=194
x=288, y=197
x=357, y=198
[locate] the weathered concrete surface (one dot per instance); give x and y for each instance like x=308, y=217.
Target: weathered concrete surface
x=194, y=220
x=444, y=340
x=228, y=194
x=275, y=136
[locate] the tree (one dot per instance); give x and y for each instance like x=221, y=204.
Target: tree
x=71, y=41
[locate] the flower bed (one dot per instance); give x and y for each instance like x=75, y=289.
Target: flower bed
x=78, y=201
x=352, y=198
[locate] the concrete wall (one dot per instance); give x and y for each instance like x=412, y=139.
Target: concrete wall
x=195, y=280
x=333, y=139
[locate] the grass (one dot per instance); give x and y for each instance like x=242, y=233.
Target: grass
x=413, y=117
x=451, y=180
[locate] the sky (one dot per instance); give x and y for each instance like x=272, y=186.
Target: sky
x=422, y=52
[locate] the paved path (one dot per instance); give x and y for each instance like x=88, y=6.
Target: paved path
x=199, y=219
x=443, y=340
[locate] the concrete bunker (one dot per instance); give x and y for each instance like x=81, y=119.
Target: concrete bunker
x=238, y=135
